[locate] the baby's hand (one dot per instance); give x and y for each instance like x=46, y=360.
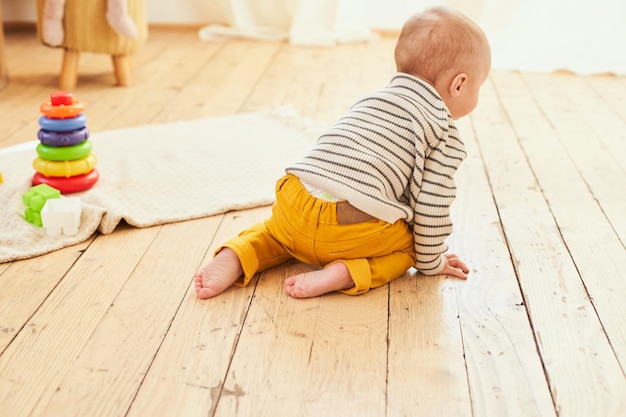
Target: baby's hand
x=455, y=267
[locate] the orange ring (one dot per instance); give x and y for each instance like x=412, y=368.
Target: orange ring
x=62, y=111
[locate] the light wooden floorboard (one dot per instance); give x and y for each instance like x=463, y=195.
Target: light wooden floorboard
x=189, y=370
x=496, y=331
x=112, y=327
x=568, y=332
x=22, y=297
x=435, y=353
x=577, y=211
x=103, y=365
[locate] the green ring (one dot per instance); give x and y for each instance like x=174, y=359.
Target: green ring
x=64, y=153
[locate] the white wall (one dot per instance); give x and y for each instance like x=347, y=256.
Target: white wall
x=527, y=35
x=159, y=11
x=18, y=10
x=215, y=11
x=389, y=14
x=187, y=11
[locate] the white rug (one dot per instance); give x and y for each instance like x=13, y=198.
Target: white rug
x=160, y=174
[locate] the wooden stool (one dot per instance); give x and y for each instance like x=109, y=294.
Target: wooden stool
x=87, y=30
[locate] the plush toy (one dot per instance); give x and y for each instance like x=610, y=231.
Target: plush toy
x=116, y=15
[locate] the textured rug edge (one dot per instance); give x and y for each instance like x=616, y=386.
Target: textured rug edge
x=95, y=218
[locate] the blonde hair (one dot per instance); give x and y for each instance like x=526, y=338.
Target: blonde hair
x=436, y=41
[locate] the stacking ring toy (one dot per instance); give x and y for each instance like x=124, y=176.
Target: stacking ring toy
x=68, y=185
x=61, y=111
x=66, y=153
x=63, y=125
x=65, y=168
x=73, y=137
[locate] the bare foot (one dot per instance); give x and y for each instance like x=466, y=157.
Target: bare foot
x=311, y=284
x=219, y=274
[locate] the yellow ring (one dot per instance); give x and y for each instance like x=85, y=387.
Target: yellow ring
x=65, y=169
x=62, y=111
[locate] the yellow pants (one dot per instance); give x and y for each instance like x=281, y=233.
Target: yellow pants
x=306, y=228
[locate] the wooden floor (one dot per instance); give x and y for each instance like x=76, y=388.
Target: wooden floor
x=112, y=327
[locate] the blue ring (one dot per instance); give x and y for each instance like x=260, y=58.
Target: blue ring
x=58, y=139
x=63, y=125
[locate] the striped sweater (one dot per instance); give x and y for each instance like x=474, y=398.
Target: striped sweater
x=393, y=156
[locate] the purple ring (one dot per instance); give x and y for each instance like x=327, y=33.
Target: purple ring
x=59, y=139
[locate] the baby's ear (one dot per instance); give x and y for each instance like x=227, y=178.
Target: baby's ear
x=457, y=84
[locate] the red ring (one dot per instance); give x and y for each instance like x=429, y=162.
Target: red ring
x=68, y=185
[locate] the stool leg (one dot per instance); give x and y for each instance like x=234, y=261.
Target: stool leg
x=121, y=67
x=4, y=79
x=69, y=70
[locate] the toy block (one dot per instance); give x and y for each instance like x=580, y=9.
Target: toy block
x=61, y=216
x=35, y=199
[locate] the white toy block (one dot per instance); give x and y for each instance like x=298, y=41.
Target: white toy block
x=61, y=215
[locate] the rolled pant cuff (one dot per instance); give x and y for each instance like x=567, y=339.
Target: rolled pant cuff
x=361, y=275
x=247, y=258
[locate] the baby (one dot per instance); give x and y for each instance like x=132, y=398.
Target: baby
x=373, y=197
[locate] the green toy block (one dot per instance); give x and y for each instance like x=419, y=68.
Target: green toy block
x=35, y=199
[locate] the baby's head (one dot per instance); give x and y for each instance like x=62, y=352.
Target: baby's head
x=450, y=52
